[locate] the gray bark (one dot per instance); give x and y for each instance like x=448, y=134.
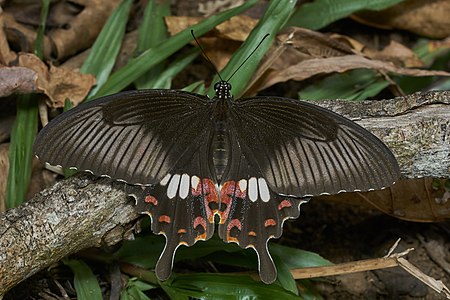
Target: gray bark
x=83, y=212
x=74, y=214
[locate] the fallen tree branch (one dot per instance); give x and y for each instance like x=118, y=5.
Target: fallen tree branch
x=389, y=261
x=74, y=214
x=83, y=212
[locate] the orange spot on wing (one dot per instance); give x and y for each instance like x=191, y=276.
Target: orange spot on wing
x=233, y=223
x=181, y=231
x=164, y=218
x=283, y=204
x=269, y=222
x=150, y=199
x=252, y=233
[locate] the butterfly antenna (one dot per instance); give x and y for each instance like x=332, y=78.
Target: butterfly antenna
x=248, y=57
x=205, y=56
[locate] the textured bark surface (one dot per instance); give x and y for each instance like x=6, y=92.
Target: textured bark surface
x=74, y=214
x=416, y=128
x=83, y=212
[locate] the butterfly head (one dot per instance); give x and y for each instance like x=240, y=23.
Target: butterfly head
x=222, y=89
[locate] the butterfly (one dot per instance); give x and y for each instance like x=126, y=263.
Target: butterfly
x=247, y=164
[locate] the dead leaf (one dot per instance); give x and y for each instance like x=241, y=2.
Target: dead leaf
x=419, y=200
x=17, y=80
x=423, y=17
x=71, y=20
x=58, y=83
x=237, y=28
x=6, y=55
x=302, y=53
x=309, y=68
x=223, y=41
x=40, y=178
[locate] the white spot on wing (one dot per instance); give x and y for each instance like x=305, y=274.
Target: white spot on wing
x=165, y=180
x=195, y=181
x=253, y=189
x=184, y=186
x=173, y=186
x=242, y=184
x=264, y=192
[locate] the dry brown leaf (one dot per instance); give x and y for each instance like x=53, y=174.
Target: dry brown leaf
x=315, y=53
x=419, y=200
x=86, y=24
x=77, y=24
x=395, y=52
x=423, y=17
x=309, y=68
x=40, y=178
x=237, y=28
x=17, y=80
x=58, y=83
x=221, y=43
x=4, y=165
x=6, y=55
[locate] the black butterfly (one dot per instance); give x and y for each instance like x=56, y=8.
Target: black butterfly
x=250, y=161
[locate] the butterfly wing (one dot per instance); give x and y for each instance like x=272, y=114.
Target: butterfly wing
x=250, y=212
x=284, y=150
x=156, y=138
x=136, y=137
x=182, y=205
x=303, y=150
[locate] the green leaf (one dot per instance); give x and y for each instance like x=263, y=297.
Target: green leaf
x=23, y=135
x=24, y=132
x=39, y=44
x=150, y=248
x=196, y=87
x=318, y=14
x=222, y=286
x=104, y=52
x=358, y=84
x=165, y=77
x=86, y=284
x=296, y=258
x=152, y=32
x=134, y=290
x=140, y=65
x=435, y=58
x=274, y=18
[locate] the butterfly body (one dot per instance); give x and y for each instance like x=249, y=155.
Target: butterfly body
x=251, y=162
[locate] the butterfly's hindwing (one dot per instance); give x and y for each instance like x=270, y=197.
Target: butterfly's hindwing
x=251, y=213
x=182, y=205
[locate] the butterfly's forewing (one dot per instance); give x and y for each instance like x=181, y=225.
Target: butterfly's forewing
x=156, y=138
x=137, y=137
x=302, y=149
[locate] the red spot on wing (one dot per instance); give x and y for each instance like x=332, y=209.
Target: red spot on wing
x=164, y=219
x=199, y=221
x=150, y=199
x=269, y=222
x=284, y=203
x=235, y=223
x=228, y=191
x=209, y=192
